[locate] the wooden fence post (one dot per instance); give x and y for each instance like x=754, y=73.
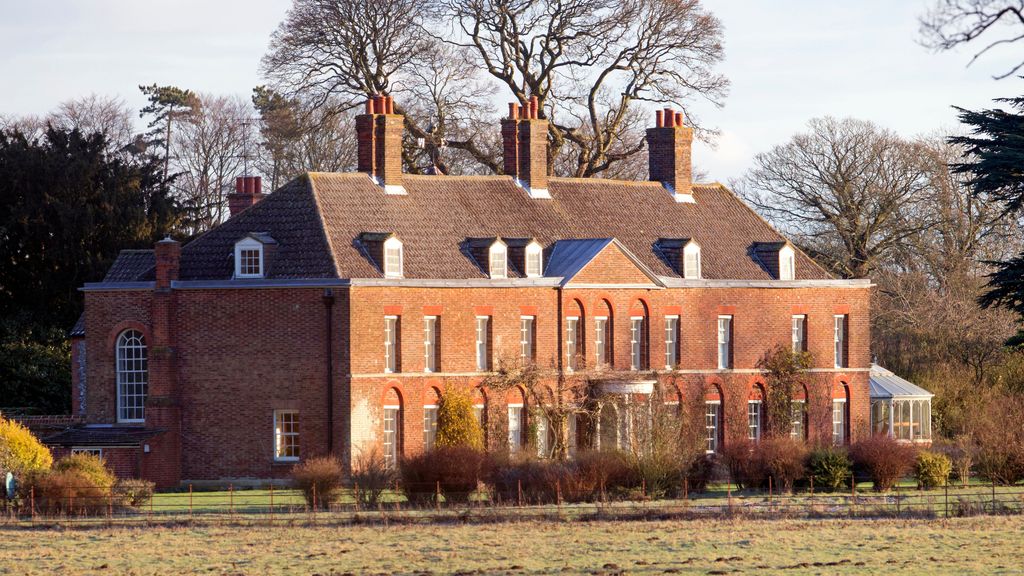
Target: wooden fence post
x=190, y=503
x=271, y=503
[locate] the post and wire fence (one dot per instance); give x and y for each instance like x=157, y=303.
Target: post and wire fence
x=507, y=501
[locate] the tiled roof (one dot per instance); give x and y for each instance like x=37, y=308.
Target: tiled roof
x=101, y=436
x=317, y=220
x=130, y=266
x=78, y=330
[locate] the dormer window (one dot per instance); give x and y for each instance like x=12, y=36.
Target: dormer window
x=534, y=260
x=691, y=261
x=787, y=263
x=497, y=260
x=393, y=255
x=251, y=255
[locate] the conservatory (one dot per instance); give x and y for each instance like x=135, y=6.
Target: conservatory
x=899, y=408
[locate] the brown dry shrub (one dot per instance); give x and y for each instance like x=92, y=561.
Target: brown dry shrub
x=883, y=459
x=320, y=480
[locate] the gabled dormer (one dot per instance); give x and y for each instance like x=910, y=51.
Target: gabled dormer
x=491, y=254
x=778, y=258
x=386, y=251
x=526, y=255
x=682, y=254
x=253, y=255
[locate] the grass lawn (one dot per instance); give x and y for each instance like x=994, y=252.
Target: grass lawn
x=986, y=545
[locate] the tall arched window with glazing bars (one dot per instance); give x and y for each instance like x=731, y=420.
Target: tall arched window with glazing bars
x=132, y=376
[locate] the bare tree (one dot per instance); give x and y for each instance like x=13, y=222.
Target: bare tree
x=590, y=63
x=850, y=192
x=107, y=115
x=952, y=23
x=30, y=126
x=210, y=150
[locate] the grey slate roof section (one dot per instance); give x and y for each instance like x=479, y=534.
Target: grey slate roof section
x=78, y=330
x=130, y=266
x=885, y=384
x=568, y=257
x=317, y=220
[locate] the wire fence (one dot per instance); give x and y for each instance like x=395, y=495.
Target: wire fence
x=94, y=506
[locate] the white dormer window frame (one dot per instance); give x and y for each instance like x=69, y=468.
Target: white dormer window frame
x=497, y=260
x=249, y=259
x=394, y=257
x=534, y=260
x=692, y=261
x=787, y=263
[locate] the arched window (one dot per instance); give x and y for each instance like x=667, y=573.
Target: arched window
x=840, y=414
x=713, y=420
x=517, y=424
x=393, y=258
x=132, y=377
x=534, y=260
x=430, y=403
x=755, y=413
x=480, y=410
x=498, y=260
x=638, y=337
x=574, y=343
x=603, y=340
x=392, y=438
x=798, y=407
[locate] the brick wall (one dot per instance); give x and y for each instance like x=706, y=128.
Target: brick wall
x=240, y=354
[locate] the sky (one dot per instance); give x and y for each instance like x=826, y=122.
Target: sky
x=788, y=60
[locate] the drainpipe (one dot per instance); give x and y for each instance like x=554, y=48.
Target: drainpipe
x=328, y=309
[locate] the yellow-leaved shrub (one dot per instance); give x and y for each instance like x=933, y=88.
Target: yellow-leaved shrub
x=456, y=421
x=20, y=451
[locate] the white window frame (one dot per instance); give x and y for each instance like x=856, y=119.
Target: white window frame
x=839, y=421
x=391, y=439
x=691, y=261
x=724, y=342
x=497, y=260
x=131, y=357
x=483, y=349
x=97, y=452
x=636, y=342
x=600, y=340
x=526, y=344
x=839, y=339
x=798, y=332
x=515, y=427
x=534, y=260
x=787, y=263
x=248, y=245
x=754, y=408
x=671, y=342
x=429, y=425
x=391, y=328
x=394, y=258
x=712, y=422
x=281, y=436
x=572, y=336
x=430, y=344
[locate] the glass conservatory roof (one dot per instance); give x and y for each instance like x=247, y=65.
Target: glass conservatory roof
x=885, y=384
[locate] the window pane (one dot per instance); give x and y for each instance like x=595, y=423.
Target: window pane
x=671, y=342
x=132, y=376
x=390, y=344
x=515, y=432
x=711, y=412
x=286, y=435
x=429, y=426
x=636, y=344
x=430, y=344
x=571, y=350
x=483, y=353
x=724, y=337
x=526, y=338
x=798, y=408
x=600, y=341
x=754, y=420
x=392, y=435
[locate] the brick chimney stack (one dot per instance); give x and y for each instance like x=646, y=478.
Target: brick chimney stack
x=248, y=191
x=168, y=262
x=379, y=137
x=668, y=148
x=524, y=138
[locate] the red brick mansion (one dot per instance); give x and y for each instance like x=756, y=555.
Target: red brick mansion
x=327, y=316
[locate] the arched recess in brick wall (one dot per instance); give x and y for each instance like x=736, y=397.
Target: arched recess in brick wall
x=575, y=343
x=119, y=328
x=480, y=409
x=714, y=412
x=393, y=425
x=517, y=422
x=841, y=402
x=431, y=401
x=639, y=334
x=757, y=400
x=602, y=332
x=800, y=423
x=671, y=398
